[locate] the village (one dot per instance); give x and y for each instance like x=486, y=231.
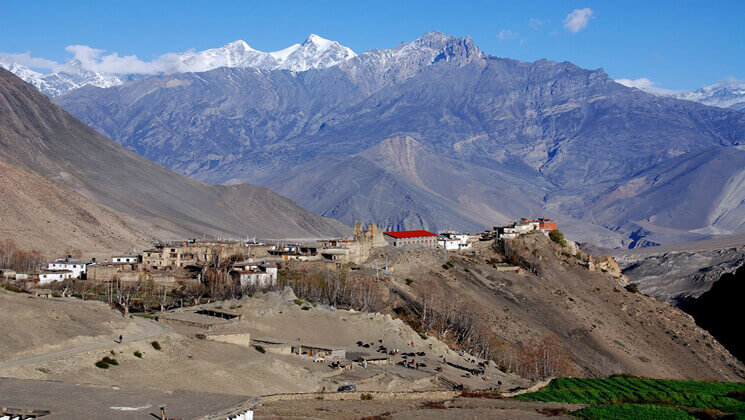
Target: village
x=367, y=351
x=249, y=263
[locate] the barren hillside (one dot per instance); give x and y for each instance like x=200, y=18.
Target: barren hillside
x=605, y=328
x=37, y=135
x=40, y=214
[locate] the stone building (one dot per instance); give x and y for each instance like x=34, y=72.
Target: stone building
x=194, y=252
x=357, y=250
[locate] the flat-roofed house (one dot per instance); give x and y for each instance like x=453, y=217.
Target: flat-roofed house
x=49, y=276
x=421, y=238
x=77, y=267
x=125, y=259
x=254, y=274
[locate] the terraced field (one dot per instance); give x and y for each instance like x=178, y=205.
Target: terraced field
x=630, y=397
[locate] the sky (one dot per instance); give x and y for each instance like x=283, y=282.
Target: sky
x=679, y=45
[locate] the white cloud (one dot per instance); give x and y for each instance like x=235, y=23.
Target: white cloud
x=640, y=83
x=25, y=59
x=92, y=59
x=535, y=24
x=507, y=34
x=578, y=19
x=644, y=84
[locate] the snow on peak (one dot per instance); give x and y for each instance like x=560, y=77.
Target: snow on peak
x=315, y=52
x=239, y=45
x=728, y=93
x=320, y=42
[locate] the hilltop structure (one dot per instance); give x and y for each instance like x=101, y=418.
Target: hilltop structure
x=412, y=237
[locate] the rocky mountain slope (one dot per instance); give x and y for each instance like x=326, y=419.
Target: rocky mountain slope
x=572, y=137
x=703, y=278
x=38, y=136
x=604, y=327
x=315, y=52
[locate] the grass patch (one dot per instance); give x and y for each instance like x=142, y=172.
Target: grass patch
x=298, y=301
x=144, y=315
x=156, y=345
x=626, y=396
x=260, y=349
x=632, y=411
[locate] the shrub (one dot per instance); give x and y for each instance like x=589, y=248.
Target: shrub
x=260, y=349
x=138, y=354
x=366, y=397
x=298, y=301
x=305, y=308
x=558, y=237
x=434, y=405
x=553, y=411
x=632, y=287
x=101, y=364
x=156, y=345
x=12, y=288
x=409, y=282
x=56, y=295
x=480, y=394
x=110, y=361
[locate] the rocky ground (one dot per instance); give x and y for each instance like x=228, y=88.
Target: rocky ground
x=606, y=328
x=678, y=275
x=185, y=362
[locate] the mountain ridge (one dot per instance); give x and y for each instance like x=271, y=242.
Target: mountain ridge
x=315, y=52
x=574, y=134
x=38, y=136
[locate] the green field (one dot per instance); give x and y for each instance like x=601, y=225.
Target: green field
x=621, y=397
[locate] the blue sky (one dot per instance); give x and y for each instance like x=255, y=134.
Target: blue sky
x=677, y=44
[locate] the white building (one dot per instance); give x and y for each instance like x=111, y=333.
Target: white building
x=47, y=277
x=518, y=228
x=452, y=241
x=77, y=267
x=254, y=274
x=125, y=259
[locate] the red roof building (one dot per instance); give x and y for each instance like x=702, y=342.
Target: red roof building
x=412, y=237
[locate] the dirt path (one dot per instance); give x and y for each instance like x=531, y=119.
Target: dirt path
x=151, y=329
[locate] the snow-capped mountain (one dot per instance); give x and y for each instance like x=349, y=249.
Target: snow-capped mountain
x=729, y=93
x=314, y=53
x=66, y=78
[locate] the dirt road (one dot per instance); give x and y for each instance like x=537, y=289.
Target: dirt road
x=150, y=329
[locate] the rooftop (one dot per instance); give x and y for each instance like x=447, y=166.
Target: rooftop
x=410, y=234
